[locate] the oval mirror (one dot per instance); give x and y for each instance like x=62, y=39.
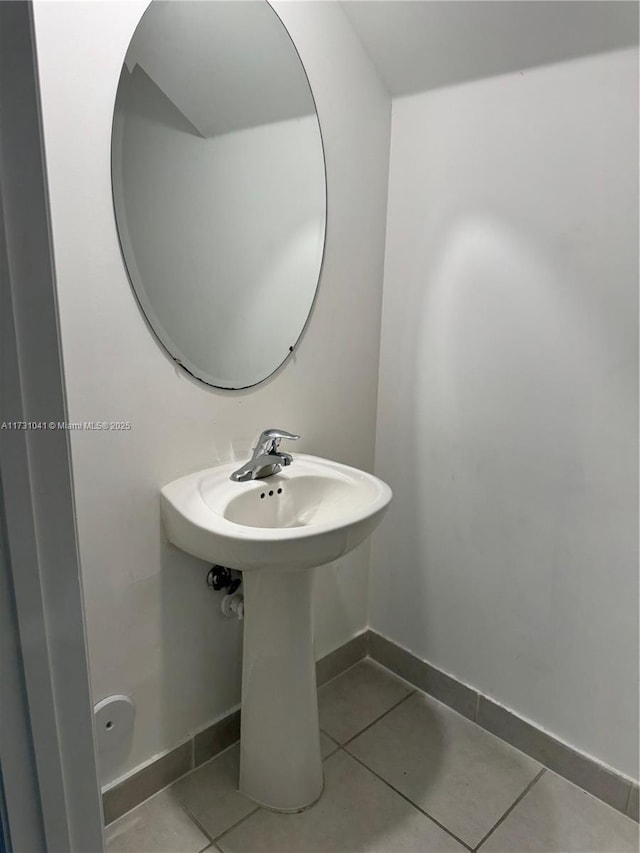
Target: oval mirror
x=219, y=186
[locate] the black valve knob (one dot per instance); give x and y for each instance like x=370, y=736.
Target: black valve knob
x=219, y=577
x=233, y=586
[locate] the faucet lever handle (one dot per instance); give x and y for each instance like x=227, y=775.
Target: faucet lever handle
x=269, y=440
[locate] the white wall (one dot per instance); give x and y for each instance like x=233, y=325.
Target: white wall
x=418, y=46
x=507, y=421
x=223, y=236
x=154, y=630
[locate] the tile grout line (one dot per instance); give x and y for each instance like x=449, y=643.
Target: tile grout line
x=342, y=672
x=511, y=808
x=164, y=788
x=212, y=838
x=333, y=743
x=178, y=799
x=235, y=825
x=582, y=779
x=406, y=799
x=191, y=739
x=377, y=720
x=195, y=820
x=326, y=734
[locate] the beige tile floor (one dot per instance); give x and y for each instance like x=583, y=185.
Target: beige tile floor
x=403, y=774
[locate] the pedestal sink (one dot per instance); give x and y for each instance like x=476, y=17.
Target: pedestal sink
x=276, y=530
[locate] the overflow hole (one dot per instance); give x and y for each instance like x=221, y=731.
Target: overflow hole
x=271, y=493
x=262, y=495
x=109, y=725
x=279, y=491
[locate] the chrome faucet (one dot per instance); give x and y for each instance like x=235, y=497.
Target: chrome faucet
x=266, y=458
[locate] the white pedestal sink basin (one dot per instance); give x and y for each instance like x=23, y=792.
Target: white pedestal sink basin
x=276, y=530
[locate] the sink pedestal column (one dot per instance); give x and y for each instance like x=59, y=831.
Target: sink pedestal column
x=280, y=763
